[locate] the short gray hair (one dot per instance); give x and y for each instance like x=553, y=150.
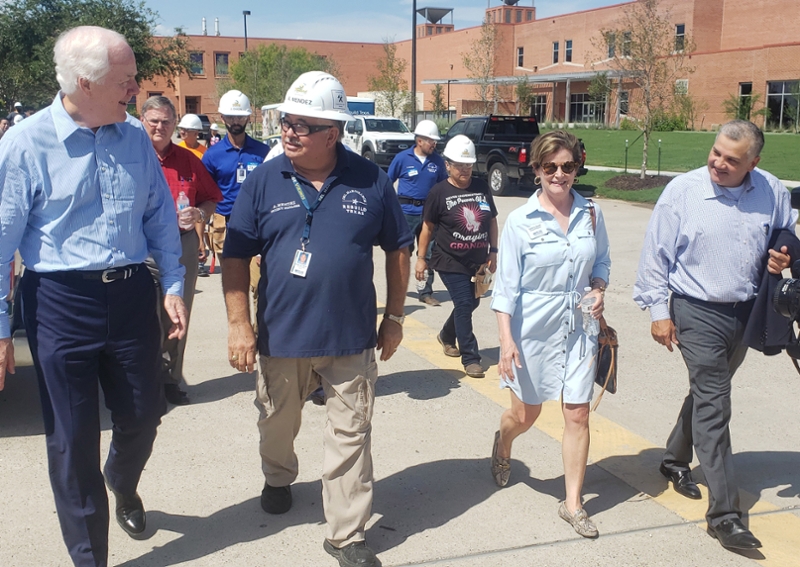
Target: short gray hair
x=743, y=129
x=82, y=53
x=156, y=102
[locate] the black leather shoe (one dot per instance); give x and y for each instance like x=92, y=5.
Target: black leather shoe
x=130, y=513
x=733, y=535
x=175, y=395
x=356, y=554
x=317, y=397
x=682, y=482
x=276, y=499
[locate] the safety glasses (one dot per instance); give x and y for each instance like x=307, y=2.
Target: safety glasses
x=302, y=129
x=567, y=167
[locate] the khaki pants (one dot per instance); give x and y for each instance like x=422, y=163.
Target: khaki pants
x=217, y=232
x=349, y=383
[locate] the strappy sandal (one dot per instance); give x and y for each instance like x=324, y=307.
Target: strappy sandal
x=501, y=468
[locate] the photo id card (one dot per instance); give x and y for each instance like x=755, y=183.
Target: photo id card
x=241, y=174
x=300, y=265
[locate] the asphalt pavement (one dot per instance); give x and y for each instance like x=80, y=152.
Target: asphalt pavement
x=435, y=500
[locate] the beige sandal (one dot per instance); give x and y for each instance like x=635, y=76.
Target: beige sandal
x=501, y=468
x=580, y=521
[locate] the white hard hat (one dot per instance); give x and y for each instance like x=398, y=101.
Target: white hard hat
x=460, y=149
x=190, y=122
x=318, y=95
x=213, y=126
x=16, y=104
x=427, y=129
x=234, y=103
x=18, y=118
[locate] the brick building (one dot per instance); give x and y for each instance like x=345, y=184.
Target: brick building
x=743, y=48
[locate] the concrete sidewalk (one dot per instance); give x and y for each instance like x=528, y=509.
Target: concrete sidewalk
x=435, y=500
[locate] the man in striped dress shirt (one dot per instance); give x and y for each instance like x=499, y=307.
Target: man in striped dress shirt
x=706, y=245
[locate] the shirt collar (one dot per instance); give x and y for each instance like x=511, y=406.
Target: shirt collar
x=579, y=202
x=711, y=190
x=64, y=124
x=226, y=143
x=342, y=162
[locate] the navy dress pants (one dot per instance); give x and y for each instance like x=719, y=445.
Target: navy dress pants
x=84, y=333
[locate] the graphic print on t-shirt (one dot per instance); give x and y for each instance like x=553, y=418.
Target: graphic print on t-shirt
x=469, y=215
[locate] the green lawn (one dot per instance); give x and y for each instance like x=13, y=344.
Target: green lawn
x=683, y=151
x=596, y=180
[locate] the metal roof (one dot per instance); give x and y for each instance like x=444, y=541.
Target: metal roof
x=534, y=78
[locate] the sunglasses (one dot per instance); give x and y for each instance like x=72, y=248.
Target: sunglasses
x=567, y=167
x=302, y=129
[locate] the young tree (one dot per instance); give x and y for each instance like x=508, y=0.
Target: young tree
x=29, y=29
x=743, y=107
x=480, y=63
x=438, y=105
x=390, y=83
x=525, y=95
x=647, y=53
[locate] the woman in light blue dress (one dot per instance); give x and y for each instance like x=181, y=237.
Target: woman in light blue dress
x=550, y=251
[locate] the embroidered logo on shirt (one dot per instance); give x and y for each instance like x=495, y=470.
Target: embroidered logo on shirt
x=354, y=202
x=284, y=206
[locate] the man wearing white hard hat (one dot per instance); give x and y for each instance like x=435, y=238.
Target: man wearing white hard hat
x=231, y=160
x=188, y=129
x=416, y=170
x=12, y=118
x=314, y=214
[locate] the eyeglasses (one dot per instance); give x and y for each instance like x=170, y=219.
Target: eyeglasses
x=567, y=167
x=302, y=129
x=235, y=119
x=460, y=166
x=157, y=123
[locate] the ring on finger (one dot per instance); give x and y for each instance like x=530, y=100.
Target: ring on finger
x=234, y=357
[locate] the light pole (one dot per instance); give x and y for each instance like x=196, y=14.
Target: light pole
x=413, y=64
x=245, y=13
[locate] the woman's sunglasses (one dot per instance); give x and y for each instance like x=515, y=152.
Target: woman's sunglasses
x=567, y=167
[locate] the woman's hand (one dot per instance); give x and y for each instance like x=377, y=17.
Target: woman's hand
x=599, y=304
x=492, y=262
x=419, y=270
x=509, y=357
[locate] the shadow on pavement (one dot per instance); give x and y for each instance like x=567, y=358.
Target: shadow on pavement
x=220, y=388
x=419, y=384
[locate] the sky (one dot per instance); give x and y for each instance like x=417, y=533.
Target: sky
x=337, y=20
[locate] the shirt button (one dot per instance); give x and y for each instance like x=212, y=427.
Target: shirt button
x=111, y=222
x=567, y=243
x=570, y=275
x=570, y=259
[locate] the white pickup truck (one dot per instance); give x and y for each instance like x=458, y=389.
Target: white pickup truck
x=377, y=138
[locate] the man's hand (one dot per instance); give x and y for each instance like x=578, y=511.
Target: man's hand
x=778, y=261
x=176, y=310
x=663, y=332
x=242, y=346
x=390, y=334
x=6, y=360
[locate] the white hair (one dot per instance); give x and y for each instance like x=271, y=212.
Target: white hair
x=82, y=53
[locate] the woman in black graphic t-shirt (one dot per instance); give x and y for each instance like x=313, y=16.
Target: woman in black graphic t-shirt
x=460, y=215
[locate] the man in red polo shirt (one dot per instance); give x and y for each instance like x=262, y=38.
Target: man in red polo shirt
x=186, y=174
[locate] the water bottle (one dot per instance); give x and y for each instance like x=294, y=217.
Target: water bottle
x=591, y=326
x=184, y=218
x=423, y=282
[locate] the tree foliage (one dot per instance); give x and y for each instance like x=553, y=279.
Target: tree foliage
x=265, y=74
x=525, y=95
x=438, y=104
x=29, y=29
x=480, y=63
x=390, y=83
x=743, y=107
x=644, y=47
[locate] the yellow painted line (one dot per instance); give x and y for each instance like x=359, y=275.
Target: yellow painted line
x=611, y=448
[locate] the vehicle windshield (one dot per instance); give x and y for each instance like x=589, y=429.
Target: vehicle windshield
x=385, y=125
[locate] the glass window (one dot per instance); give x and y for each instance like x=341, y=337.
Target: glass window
x=682, y=86
x=782, y=101
x=519, y=16
x=611, y=40
x=555, y=52
x=568, y=50
x=582, y=108
x=508, y=16
x=745, y=89
x=520, y=56
x=473, y=131
x=529, y=15
x=539, y=107
x=680, y=37
x=623, y=103
x=626, y=44
x=221, y=64
x=196, y=63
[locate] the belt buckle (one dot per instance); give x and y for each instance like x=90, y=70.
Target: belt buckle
x=124, y=274
x=104, y=277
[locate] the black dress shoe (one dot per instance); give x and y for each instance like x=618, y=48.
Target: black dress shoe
x=276, y=499
x=733, y=535
x=356, y=554
x=130, y=513
x=175, y=395
x=682, y=482
x=317, y=397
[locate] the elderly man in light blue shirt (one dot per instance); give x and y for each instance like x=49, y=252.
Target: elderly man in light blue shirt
x=83, y=197
x=705, y=247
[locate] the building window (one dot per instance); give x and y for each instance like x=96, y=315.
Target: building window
x=519, y=16
x=568, y=50
x=508, y=16
x=582, y=108
x=221, y=64
x=196, y=63
x=611, y=41
x=520, y=56
x=438, y=29
x=539, y=107
x=555, y=52
x=623, y=103
x=132, y=106
x=782, y=101
x=626, y=44
x=680, y=37
x=682, y=86
x=429, y=30
x=528, y=15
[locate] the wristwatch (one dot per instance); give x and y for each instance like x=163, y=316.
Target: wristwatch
x=399, y=320
x=202, y=216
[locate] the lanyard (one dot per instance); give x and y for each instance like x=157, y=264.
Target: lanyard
x=309, y=209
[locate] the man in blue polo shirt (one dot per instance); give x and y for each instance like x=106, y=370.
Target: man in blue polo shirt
x=314, y=214
x=418, y=169
x=231, y=160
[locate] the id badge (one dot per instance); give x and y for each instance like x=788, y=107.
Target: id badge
x=536, y=230
x=484, y=205
x=300, y=265
x=241, y=174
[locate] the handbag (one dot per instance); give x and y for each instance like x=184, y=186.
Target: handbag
x=483, y=279
x=606, y=371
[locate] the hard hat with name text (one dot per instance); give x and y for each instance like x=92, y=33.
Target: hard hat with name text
x=460, y=149
x=317, y=94
x=234, y=103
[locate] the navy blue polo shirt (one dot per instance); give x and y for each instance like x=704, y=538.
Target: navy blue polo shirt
x=416, y=177
x=332, y=311
x=222, y=160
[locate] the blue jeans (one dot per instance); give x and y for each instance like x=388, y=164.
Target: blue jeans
x=415, y=224
x=458, y=326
